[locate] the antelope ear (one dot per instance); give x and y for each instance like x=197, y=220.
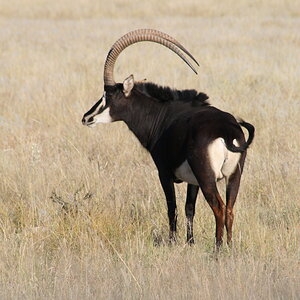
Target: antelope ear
x=128, y=85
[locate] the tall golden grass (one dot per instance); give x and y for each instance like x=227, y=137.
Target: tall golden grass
x=82, y=213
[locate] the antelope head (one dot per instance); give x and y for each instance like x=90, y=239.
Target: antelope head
x=111, y=105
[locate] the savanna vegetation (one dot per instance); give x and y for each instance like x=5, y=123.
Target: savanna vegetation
x=82, y=213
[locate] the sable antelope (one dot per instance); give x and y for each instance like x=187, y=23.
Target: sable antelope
x=188, y=139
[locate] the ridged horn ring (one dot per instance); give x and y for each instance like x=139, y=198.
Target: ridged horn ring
x=141, y=35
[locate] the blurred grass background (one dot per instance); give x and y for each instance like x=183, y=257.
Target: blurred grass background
x=82, y=213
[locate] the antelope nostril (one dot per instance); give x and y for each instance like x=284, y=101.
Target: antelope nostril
x=86, y=121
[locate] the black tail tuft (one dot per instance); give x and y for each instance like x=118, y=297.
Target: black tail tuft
x=251, y=131
x=250, y=128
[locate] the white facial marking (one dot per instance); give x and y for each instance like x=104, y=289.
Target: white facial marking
x=103, y=102
x=185, y=173
x=223, y=162
x=104, y=117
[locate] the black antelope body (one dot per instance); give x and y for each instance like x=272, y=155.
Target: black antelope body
x=188, y=139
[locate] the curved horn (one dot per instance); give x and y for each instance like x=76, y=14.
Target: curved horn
x=166, y=37
x=134, y=37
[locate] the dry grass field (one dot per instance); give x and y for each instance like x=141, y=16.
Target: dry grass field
x=82, y=213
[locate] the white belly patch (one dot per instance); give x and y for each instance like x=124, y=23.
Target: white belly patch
x=185, y=173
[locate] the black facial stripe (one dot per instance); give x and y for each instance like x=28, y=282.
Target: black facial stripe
x=93, y=109
x=97, y=108
x=90, y=119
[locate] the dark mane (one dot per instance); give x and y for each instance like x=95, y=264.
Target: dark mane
x=166, y=94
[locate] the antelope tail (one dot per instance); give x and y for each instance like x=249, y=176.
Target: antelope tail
x=229, y=142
